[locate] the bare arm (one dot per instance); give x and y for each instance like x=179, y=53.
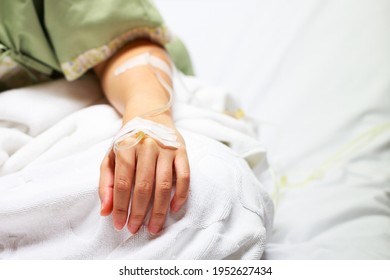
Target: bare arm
x=147, y=167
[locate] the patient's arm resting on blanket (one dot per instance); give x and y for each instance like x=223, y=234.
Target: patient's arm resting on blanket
x=146, y=167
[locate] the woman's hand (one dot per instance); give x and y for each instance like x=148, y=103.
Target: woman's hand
x=144, y=173
x=141, y=175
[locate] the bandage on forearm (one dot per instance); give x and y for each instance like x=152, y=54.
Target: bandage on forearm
x=155, y=63
x=136, y=129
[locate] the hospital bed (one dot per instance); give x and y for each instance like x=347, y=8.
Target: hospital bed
x=316, y=77
x=313, y=76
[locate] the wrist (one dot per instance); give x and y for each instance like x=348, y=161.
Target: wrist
x=164, y=118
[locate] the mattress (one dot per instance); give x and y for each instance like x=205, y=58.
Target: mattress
x=315, y=75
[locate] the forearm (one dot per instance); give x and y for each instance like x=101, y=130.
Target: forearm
x=144, y=173
x=136, y=91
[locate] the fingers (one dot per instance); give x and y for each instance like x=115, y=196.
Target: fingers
x=143, y=189
x=141, y=168
x=106, y=184
x=124, y=173
x=162, y=192
x=182, y=170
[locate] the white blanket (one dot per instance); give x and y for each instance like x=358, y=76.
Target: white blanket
x=52, y=139
x=317, y=75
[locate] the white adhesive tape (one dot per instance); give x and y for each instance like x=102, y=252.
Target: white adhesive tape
x=138, y=128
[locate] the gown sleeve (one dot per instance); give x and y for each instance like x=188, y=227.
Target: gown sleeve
x=72, y=36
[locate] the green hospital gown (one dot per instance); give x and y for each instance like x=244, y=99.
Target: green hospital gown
x=44, y=39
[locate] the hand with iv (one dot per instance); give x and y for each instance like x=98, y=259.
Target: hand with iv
x=148, y=154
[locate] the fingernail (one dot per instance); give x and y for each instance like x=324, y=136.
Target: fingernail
x=154, y=230
x=118, y=226
x=175, y=208
x=133, y=229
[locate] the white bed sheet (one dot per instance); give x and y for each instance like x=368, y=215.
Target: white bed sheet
x=316, y=75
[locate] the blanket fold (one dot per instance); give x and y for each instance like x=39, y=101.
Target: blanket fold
x=52, y=140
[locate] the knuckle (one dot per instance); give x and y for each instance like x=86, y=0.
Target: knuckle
x=144, y=187
x=148, y=142
x=137, y=217
x=183, y=196
x=165, y=187
x=119, y=211
x=184, y=176
x=159, y=215
x=122, y=184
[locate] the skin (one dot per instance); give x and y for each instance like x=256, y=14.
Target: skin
x=144, y=173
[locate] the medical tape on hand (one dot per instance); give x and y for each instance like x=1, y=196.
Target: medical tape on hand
x=138, y=127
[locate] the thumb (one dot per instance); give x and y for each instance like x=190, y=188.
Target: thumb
x=106, y=184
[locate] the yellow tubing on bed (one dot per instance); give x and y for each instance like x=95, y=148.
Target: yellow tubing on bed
x=282, y=183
